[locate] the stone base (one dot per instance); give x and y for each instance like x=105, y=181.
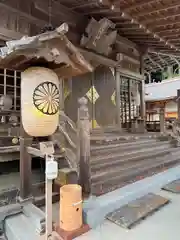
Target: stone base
x=138, y=126
x=137, y=210
x=65, y=235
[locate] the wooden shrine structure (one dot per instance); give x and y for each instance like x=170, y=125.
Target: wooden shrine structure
x=121, y=39
x=102, y=51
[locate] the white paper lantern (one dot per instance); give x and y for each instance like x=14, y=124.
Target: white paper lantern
x=39, y=101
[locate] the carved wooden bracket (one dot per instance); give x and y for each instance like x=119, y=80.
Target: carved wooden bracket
x=100, y=36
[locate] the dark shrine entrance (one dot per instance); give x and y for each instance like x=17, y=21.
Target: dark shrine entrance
x=130, y=100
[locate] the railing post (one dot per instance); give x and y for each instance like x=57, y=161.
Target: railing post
x=118, y=100
x=178, y=105
x=142, y=91
x=25, y=166
x=84, y=146
x=162, y=119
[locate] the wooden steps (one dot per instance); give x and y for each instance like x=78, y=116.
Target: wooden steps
x=115, y=164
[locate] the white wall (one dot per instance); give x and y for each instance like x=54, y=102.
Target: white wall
x=171, y=107
x=167, y=89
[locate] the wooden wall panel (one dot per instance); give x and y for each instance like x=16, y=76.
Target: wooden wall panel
x=79, y=87
x=100, y=87
x=104, y=83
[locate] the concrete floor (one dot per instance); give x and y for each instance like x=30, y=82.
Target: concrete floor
x=162, y=225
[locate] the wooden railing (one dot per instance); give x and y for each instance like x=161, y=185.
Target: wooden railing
x=75, y=142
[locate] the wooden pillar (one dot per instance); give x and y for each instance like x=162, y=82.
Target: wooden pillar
x=169, y=71
x=149, y=77
x=130, y=101
x=118, y=100
x=84, y=146
x=142, y=93
x=25, y=166
x=178, y=104
x=93, y=125
x=162, y=118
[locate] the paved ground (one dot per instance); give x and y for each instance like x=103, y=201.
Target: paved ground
x=162, y=225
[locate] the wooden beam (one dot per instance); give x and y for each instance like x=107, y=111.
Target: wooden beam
x=6, y=34
x=94, y=57
x=140, y=4
x=115, y=17
x=142, y=37
x=127, y=23
x=168, y=30
x=35, y=152
x=170, y=53
x=126, y=41
x=40, y=18
x=80, y=6
x=98, y=11
x=153, y=20
x=30, y=17
x=162, y=59
x=163, y=23
x=152, y=44
x=60, y=11
x=121, y=57
x=171, y=35
x=154, y=63
x=151, y=41
x=133, y=28
x=158, y=9
x=175, y=60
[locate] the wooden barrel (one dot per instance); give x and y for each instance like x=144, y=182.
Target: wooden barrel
x=70, y=207
x=39, y=101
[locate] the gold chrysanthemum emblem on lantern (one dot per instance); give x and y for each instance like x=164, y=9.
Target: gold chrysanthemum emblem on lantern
x=46, y=98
